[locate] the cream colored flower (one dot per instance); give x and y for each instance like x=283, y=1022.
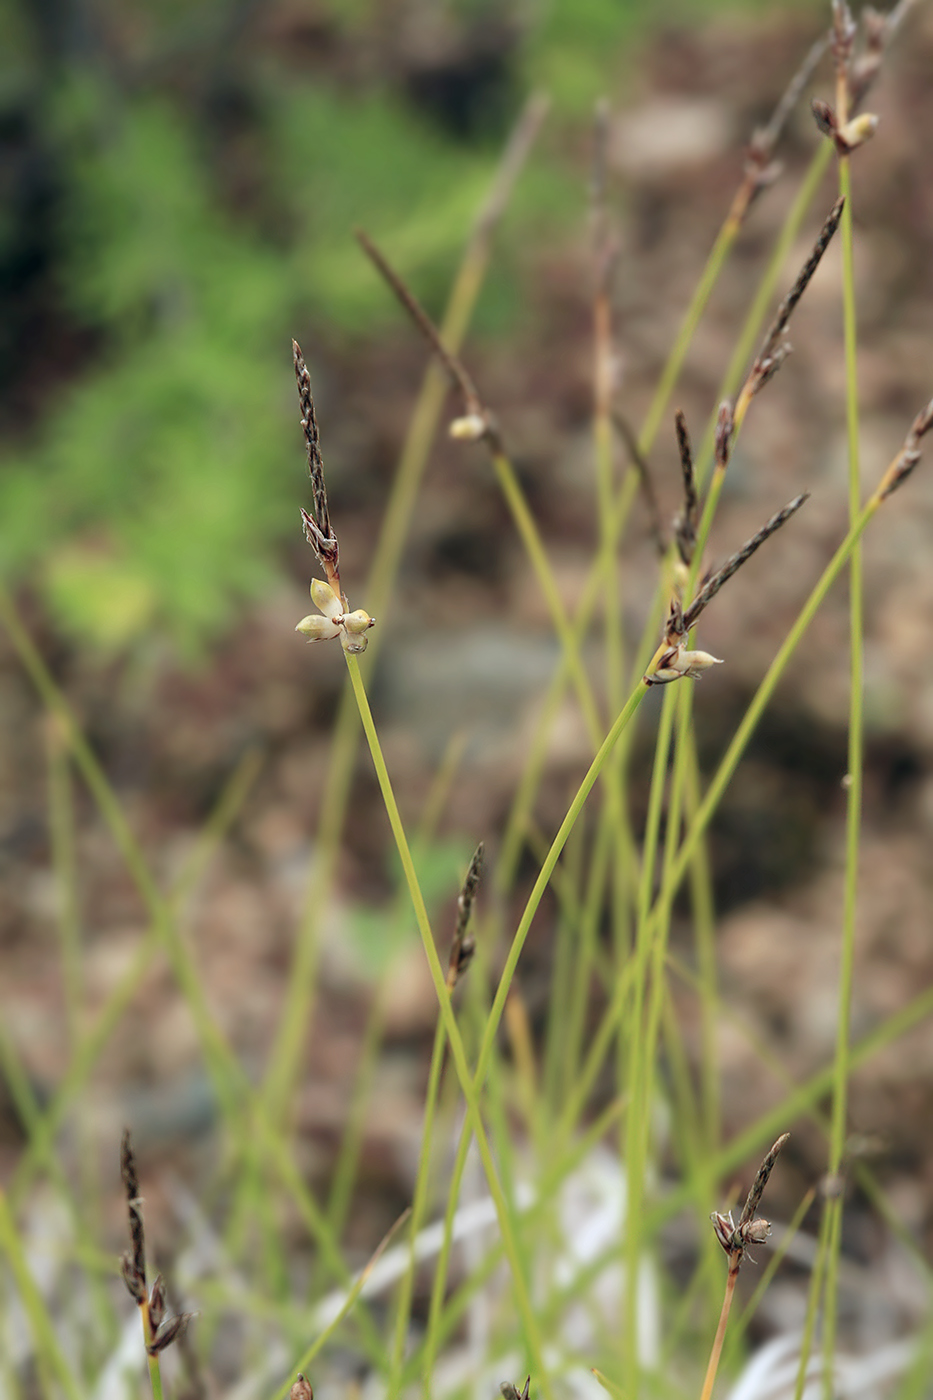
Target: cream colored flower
x=335, y=621
x=678, y=662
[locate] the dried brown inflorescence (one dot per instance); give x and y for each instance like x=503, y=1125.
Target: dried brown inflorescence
x=685, y=526
x=751, y=1228
x=909, y=455
x=317, y=527
x=774, y=349
x=476, y=423
x=645, y=480
x=464, y=944
x=334, y=618
x=855, y=73
x=159, y=1331
x=676, y=661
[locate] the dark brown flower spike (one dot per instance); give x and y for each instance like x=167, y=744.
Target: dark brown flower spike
x=157, y=1303
x=464, y=944
x=751, y=1229
x=842, y=35
x=137, y=1262
x=134, y=1280
x=477, y=422
x=333, y=618
x=685, y=526
x=168, y=1333
x=735, y=1240
x=760, y=169
x=455, y=370
x=753, y=1199
x=676, y=661
x=773, y=352
x=766, y=138
x=725, y=431
x=878, y=31
x=712, y=587
x=909, y=455
x=159, y=1331
x=317, y=527
x=846, y=136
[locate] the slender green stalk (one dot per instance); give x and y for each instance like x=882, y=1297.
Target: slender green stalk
x=751, y=330
x=585, y=958
x=701, y=888
x=49, y=1355
x=62, y=826
x=568, y=956
x=766, y=689
x=233, y=1089
x=720, y=1337
x=854, y=774
x=799, y=1101
x=352, y=1295
x=534, y=765
x=567, y=633
x=294, y=1025
x=152, y=1360
x=345, y=1168
x=639, y=1052
x=741, y=1323
x=418, y=1209
x=533, y=1339
x=814, y=1295
x=448, y=1317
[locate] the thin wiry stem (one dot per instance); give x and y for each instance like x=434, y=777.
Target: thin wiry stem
x=757, y=174
x=769, y=134
x=735, y=1241
x=469, y=1083
x=516, y=153
x=645, y=480
x=452, y=363
x=844, y=36
x=295, y=1020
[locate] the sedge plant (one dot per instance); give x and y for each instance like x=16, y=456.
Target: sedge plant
x=520, y=1102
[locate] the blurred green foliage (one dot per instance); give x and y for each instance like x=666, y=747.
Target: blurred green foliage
x=155, y=487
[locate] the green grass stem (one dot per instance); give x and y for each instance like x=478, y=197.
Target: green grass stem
x=526, y=1312
x=854, y=780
